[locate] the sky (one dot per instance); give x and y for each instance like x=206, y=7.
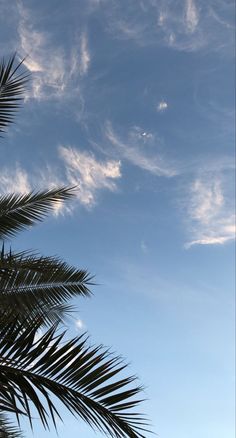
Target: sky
x=133, y=102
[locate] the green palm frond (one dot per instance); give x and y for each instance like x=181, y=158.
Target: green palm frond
x=7, y=429
x=12, y=86
x=18, y=212
x=39, y=287
x=83, y=378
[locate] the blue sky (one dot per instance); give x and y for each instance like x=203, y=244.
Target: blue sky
x=133, y=102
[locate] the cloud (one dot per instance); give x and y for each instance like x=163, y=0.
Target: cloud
x=207, y=200
x=79, y=324
x=162, y=106
x=90, y=174
x=132, y=149
x=49, y=178
x=78, y=168
x=48, y=68
x=14, y=180
x=191, y=16
x=56, y=71
x=85, y=57
x=18, y=180
x=183, y=25
x=210, y=212
x=214, y=240
x=145, y=135
x=32, y=65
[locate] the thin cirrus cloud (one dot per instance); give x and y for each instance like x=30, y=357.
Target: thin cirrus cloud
x=14, y=179
x=191, y=16
x=79, y=168
x=89, y=174
x=134, y=150
x=183, y=25
x=85, y=56
x=162, y=106
x=211, y=215
x=79, y=324
x=56, y=73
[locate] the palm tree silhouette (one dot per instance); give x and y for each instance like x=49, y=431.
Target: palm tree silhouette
x=36, y=370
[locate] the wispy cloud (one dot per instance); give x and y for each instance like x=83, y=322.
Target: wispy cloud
x=79, y=324
x=162, y=106
x=14, y=180
x=56, y=71
x=88, y=173
x=191, y=15
x=134, y=149
x=210, y=212
x=207, y=200
x=188, y=25
x=81, y=169
x=85, y=56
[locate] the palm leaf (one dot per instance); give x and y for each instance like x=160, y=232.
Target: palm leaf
x=39, y=287
x=18, y=212
x=83, y=378
x=12, y=86
x=7, y=429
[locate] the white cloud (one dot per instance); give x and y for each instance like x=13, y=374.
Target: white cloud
x=55, y=71
x=32, y=65
x=210, y=212
x=207, y=200
x=162, y=106
x=18, y=180
x=188, y=25
x=146, y=135
x=91, y=175
x=211, y=240
x=137, y=134
x=191, y=16
x=49, y=178
x=79, y=169
x=161, y=19
x=79, y=324
x=132, y=150
x=14, y=180
x=85, y=57
x=93, y=4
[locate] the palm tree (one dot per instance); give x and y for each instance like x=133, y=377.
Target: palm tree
x=12, y=87
x=7, y=430
x=37, y=371
x=33, y=286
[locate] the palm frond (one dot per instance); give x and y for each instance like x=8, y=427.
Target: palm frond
x=12, y=86
x=35, y=287
x=82, y=377
x=18, y=212
x=7, y=429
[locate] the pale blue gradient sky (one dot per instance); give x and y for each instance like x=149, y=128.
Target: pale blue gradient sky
x=133, y=101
